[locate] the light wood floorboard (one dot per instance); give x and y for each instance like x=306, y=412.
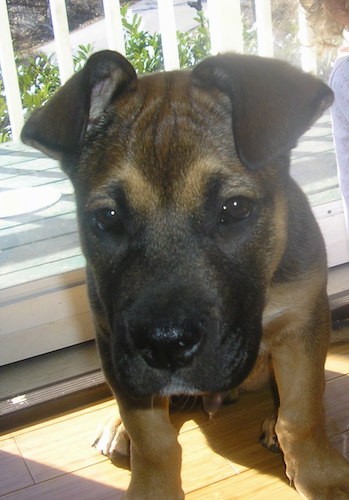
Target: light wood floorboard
x=221, y=458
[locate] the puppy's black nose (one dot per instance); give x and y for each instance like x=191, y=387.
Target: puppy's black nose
x=169, y=347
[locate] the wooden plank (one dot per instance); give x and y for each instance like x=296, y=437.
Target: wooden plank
x=195, y=458
x=17, y=146
x=101, y=481
x=64, y=206
x=268, y=483
x=337, y=361
x=337, y=405
x=9, y=174
x=42, y=286
x=41, y=230
x=32, y=180
x=21, y=162
x=39, y=253
x=340, y=442
x=13, y=470
x=61, y=265
x=46, y=450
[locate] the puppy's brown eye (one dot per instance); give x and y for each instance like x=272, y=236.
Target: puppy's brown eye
x=106, y=219
x=235, y=209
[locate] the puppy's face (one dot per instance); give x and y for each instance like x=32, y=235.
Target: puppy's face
x=180, y=237
x=182, y=204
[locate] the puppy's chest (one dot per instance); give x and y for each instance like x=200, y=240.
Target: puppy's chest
x=287, y=308
x=277, y=317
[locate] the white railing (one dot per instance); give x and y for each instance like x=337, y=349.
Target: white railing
x=9, y=73
x=61, y=34
x=226, y=33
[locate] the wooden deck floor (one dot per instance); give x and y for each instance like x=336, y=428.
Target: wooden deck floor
x=221, y=458
x=37, y=244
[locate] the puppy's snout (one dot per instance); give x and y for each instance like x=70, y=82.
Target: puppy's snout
x=169, y=346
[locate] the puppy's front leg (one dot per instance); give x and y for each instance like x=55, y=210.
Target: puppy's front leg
x=155, y=452
x=315, y=468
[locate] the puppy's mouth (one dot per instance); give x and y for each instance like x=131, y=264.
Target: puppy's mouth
x=238, y=372
x=207, y=364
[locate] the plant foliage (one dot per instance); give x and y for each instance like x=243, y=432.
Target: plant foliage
x=38, y=78
x=39, y=75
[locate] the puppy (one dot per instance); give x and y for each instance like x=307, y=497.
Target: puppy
x=204, y=260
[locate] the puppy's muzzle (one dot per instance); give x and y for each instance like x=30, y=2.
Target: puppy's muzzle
x=168, y=346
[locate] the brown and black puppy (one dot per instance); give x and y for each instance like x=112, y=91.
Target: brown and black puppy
x=203, y=257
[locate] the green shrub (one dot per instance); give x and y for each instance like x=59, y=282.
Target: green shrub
x=144, y=49
x=194, y=45
x=38, y=78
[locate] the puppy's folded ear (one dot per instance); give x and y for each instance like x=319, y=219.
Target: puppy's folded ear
x=58, y=127
x=273, y=103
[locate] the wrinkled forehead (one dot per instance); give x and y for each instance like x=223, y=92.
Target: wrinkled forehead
x=169, y=140
x=171, y=121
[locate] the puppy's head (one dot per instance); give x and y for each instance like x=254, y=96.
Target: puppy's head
x=182, y=189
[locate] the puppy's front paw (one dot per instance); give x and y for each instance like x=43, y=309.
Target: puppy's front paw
x=321, y=476
x=113, y=441
x=268, y=437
